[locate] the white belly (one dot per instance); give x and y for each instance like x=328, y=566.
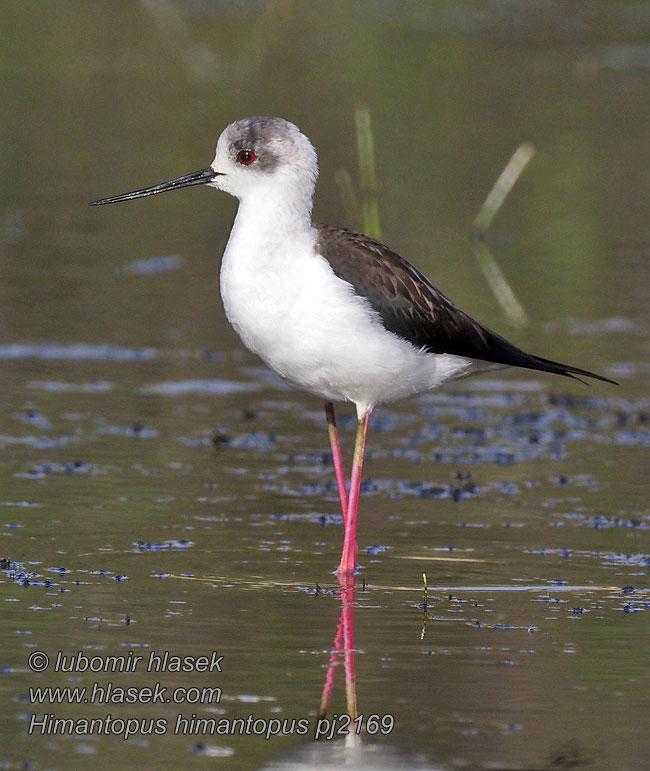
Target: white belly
x=290, y=309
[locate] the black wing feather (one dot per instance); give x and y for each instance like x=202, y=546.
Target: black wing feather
x=410, y=305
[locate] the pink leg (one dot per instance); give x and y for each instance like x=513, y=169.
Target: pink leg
x=349, y=555
x=336, y=457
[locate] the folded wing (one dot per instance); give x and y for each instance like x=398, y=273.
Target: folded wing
x=410, y=305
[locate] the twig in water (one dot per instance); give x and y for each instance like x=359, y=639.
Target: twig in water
x=425, y=607
x=503, y=186
x=491, y=270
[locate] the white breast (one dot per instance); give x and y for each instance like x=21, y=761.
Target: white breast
x=289, y=308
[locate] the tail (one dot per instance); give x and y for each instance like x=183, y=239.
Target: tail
x=546, y=365
x=502, y=351
x=513, y=356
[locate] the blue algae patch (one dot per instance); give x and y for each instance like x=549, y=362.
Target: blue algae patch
x=617, y=558
x=58, y=386
x=206, y=387
x=320, y=519
x=433, y=490
x=507, y=487
x=76, y=467
x=377, y=549
x=75, y=352
x=39, y=442
x=136, y=430
x=171, y=544
x=33, y=419
x=148, y=265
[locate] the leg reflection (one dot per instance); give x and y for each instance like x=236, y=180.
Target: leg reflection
x=343, y=644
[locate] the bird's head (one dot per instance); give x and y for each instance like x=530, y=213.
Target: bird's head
x=261, y=156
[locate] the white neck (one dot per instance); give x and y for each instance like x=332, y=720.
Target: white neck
x=277, y=207
x=266, y=219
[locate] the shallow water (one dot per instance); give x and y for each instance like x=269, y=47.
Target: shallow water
x=161, y=491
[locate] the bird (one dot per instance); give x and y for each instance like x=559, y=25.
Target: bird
x=334, y=312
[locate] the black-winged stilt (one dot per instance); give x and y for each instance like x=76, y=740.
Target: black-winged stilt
x=336, y=313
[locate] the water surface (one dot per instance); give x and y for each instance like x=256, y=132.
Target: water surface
x=160, y=490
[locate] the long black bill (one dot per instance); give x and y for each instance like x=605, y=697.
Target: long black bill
x=200, y=177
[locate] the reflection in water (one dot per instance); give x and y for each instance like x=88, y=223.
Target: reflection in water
x=343, y=640
x=340, y=736
x=497, y=282
x=350, y=755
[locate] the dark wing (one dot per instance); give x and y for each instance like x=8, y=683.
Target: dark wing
x=411, y=307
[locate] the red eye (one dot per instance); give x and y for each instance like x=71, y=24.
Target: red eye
x=246, y=157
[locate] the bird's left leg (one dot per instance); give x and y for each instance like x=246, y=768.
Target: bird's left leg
x=336, y=458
